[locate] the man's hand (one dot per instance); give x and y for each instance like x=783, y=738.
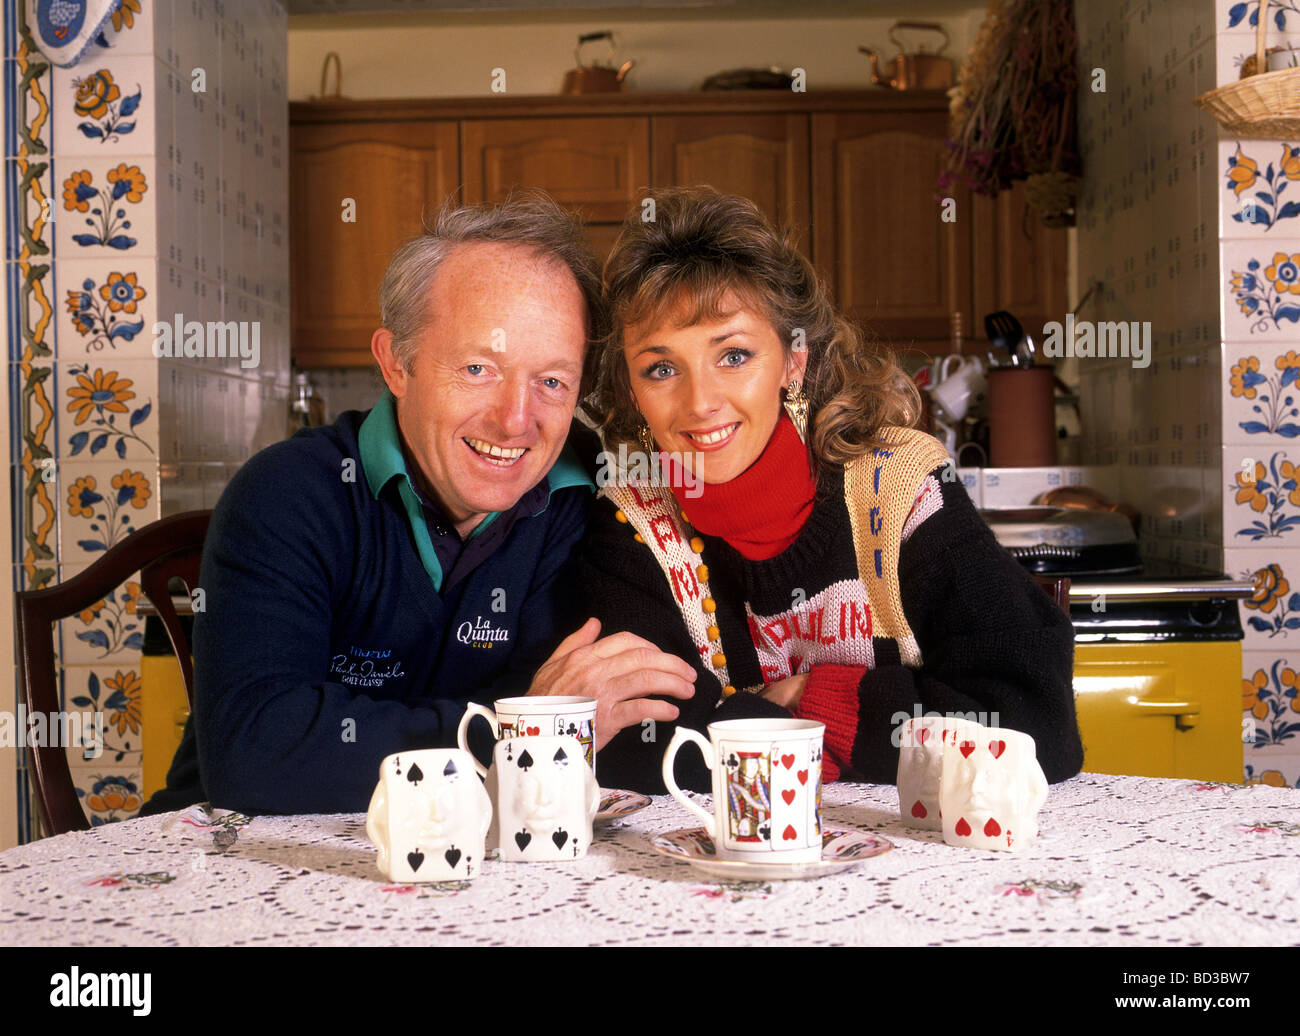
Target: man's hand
x=786, y=692
x=619, y=671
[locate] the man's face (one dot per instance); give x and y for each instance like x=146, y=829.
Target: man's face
x=486, y=407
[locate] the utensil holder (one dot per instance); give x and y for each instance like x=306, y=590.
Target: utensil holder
x=1022, y=417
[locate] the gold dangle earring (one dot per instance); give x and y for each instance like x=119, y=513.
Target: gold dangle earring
x=796, y=405
x=646, y=439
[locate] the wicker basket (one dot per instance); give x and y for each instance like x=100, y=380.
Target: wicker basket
x=1264, y=106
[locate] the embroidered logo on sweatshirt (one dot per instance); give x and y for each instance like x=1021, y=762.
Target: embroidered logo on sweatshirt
x=365, y=667
x=481, y=633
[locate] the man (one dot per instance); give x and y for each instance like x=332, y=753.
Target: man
x=364, y=581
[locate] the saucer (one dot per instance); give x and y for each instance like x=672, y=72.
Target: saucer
x=842, y=847
x=615, y=804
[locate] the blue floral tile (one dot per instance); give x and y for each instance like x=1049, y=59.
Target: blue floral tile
x=1261, y=288
x=129, y=31
x=105, y=208
x=100, y=504
x=1261, y=401
x=1271, y=617
x=1259, y=188
x=1261, y=495
x=1269, y=703
x=105, y=107
x=107, y=309
x=108, y=631
x=109, y=794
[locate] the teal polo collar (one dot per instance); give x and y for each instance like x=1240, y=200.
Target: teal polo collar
x=382, y=461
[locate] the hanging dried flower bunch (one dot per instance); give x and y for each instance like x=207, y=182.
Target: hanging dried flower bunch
x=1013, y=108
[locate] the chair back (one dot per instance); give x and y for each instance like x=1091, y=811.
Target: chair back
x=1057, y=588
x=161, y=551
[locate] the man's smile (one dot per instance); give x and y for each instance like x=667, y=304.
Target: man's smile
x=500, y=456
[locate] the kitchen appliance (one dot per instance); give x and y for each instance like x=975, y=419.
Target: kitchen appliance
x=919, y=71
x=595, y=78
x=1067, y=541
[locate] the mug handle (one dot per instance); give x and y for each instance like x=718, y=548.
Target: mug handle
x=473, y=709
x=680, y=737
x=944, y=373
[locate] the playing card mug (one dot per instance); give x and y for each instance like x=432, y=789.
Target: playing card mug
x=534, y=715
x=920, y=768
x=547, y=798
x=991, y=790
x=429, y=816
x=767, y=787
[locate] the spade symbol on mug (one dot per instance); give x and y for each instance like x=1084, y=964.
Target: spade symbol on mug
x=525, y=760
x=449, y=770
x=560, y=758
x=415, y=775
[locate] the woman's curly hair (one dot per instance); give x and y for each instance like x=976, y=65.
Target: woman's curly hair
x=698, y=247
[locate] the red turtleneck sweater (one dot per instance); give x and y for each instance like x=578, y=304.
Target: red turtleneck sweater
x=760, y=513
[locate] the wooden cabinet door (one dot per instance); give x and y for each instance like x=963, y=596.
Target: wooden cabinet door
x=396, y=175
x=1020, y=266
x=893, y=264
x=761, y=157
x=598, y=167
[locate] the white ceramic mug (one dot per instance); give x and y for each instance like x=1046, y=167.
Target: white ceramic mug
x=991, y=789
x=546, y=798
x=963, y=383
x=920, y=767
x=429, y=816
x=767, y=787
x=536, y=715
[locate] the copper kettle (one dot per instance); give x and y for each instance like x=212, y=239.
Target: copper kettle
x=594, y=78
x=920, y=71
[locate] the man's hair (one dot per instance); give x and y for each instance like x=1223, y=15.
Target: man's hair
x=702, y=246
x=530, y=219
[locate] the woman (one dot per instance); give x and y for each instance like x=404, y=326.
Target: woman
x=810, y=553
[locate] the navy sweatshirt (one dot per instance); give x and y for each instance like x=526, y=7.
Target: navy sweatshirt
x=327, y=640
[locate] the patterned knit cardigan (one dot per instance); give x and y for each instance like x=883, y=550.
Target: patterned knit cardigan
x=895, y=598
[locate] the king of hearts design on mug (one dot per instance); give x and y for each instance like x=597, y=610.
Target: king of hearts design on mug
x=773, y=797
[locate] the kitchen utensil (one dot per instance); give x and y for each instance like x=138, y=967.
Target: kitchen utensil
x=1005, y=332
x=595, y=78
x=919, y=71
x=1022, y=417
x=1066, y=541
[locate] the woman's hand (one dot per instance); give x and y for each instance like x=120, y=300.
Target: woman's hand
x=786, y=692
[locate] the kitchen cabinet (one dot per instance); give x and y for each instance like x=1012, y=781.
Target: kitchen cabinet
x=852, y=173
x=357, y=191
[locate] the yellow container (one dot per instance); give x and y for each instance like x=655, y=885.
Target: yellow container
x=163, y=712
x=1154, y=709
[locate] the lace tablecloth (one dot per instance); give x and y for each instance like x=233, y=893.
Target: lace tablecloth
x=1127, y=861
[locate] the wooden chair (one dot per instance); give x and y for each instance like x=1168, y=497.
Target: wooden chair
x=161, y=551
x=1057, y=588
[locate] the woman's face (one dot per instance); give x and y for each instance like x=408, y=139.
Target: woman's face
x=711, y=392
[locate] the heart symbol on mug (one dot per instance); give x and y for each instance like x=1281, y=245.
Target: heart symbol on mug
x=997, y=748
x=789, y=834
x=787, y=761
x=919, y=811
x=788, y=795
x=963, y=828
x=452, y=856
x=803, y=776
x=921, y=735
x=966, y=748
x=533, y=731
x=992, y=828
x=415, y=859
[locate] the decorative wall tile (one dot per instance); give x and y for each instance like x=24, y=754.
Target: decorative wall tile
x=105, y=208
x=1261, y=288
x=111, y=411
x=1261, y=403
x=1261, y=497
x=35, y=208
x=108, y=794
x=105, y=108
x=1271, y=617
x=109, y=631
x=129, y=32
x=1259, y=197
x=1241, y=17
x=1270, y=707
x=101, y=504
x=107, y=309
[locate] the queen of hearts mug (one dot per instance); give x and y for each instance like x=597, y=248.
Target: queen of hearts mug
x=767, y=788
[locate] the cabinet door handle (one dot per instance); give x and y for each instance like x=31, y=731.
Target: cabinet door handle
x=1185, y=713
